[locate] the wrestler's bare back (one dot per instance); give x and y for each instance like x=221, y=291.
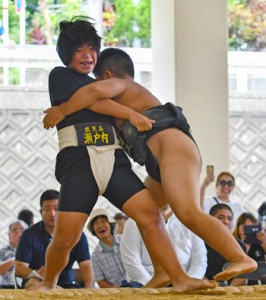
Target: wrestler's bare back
x=138, y=98
x=125, y=91
x=132, y=95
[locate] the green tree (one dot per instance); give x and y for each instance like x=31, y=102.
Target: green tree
x=45, y=14
x=129, y=22
x=50, y=15
x=143, y=18
x=13, y=21
x=109, y=18
x=125, y=24
x=246, y=24
x=69, y=9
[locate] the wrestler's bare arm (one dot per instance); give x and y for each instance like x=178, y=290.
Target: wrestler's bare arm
x=107, y=107
x=124, y=91
x=90, y=93
x=83, y=98
x=86, y=95
x=119, y=111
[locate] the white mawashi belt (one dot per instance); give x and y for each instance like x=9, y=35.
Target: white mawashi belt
x=102, y=158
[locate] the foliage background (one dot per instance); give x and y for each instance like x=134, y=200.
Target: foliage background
x=127, y=23
x=247, y=25
x=130, y=23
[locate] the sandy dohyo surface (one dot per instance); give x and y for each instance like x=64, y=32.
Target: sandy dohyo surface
x=257, y=292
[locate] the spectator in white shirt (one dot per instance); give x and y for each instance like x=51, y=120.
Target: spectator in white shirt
x=190, y=250
x=225, y=184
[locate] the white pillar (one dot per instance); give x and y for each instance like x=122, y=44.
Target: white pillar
x=22, y=24
x=164, y=49
x=95, y=11
x=5, y=20
x=189, y=42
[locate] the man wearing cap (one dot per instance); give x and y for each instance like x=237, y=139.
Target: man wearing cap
x=190, y=250
x=106, y=258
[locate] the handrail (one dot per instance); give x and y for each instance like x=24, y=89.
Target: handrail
x=246, y=70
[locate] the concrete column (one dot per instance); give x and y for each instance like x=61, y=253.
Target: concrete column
x=189, y=42
x=95, y=11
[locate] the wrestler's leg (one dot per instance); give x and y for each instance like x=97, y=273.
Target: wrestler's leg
x=156, y=190
x=68, y=230
x=180, y=167
x=144, y=211
x=160, y=277
x=32, y=282
x=35, y=282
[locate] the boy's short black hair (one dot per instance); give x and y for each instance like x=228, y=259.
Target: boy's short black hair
x=27, y=216
x=115, y=60
x=75, y=33
x=48, y=195
x=262, y=209
x=215, y=208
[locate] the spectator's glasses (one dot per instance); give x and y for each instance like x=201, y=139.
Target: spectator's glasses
x=230, y=183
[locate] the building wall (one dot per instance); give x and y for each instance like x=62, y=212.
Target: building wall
x=28, y=152
x=189, y=44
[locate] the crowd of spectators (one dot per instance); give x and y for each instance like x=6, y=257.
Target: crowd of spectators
x=120, y=258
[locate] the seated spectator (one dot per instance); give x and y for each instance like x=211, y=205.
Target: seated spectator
x=120, y=219
x=225, y=184
x=255, y=250
x=223, y=213
x=261, y=212
x=190, y=250
x=27, y=216
x=135, y=256
x=30, y=255
x=106, y=258
x=7, y=254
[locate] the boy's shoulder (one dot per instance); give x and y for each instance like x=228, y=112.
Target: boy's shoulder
x=58, y=69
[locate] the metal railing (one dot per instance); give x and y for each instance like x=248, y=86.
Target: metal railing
x=246, y=70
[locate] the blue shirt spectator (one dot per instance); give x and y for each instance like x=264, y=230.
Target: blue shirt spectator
x=32, y=248
x=31, y=251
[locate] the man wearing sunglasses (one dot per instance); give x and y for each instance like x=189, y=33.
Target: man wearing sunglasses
x=225, y=184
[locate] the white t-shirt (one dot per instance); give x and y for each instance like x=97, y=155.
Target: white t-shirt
x=135, y=256
x=190, y=249
x=236, y=207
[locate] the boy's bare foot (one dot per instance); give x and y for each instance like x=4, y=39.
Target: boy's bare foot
x=158, y=281
x=244, y=266
x=183, y=284
x=192, y=284
x=42, y=287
